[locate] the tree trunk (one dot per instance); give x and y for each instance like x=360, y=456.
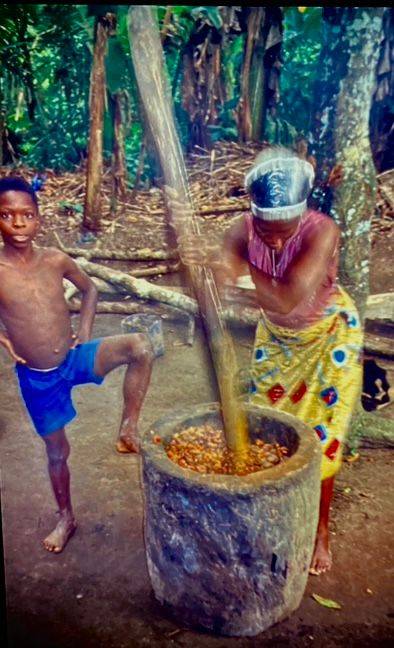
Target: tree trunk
x=92, y=207
x=202, y=90
x=381, y=117
x=355, y=199
x=352, y=37
x=346, y=181
x=255, y=17
x=260, y=72
x=118, y=154
x=265, y=70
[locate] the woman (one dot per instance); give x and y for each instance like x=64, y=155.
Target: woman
x=306, y=356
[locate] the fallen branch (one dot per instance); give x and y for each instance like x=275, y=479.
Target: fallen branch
x=143, y=254
x=236, y=314
x=223, y=209
x=102, y=286
x=157, y=270
x=214, y=209
x=148, y=291
x=380, y=307
x=127, y=308
x=139, y=287
x=370, y=430
x=378, y=346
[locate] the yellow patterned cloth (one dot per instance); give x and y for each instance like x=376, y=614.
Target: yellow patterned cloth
x=314, y=373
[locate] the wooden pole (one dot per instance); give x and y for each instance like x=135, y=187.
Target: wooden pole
x=147, y=54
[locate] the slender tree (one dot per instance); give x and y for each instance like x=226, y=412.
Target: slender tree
x=202, y=84
x=119, y=173
x=105, y=25
x=260, y=70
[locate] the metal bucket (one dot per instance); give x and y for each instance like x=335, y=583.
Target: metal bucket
x=151, y=325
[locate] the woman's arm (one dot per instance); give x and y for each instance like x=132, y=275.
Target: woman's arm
x=303, y=275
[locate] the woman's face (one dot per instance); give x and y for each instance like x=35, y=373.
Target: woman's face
x=275, y=233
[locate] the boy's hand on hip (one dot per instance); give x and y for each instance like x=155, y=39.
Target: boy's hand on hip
x=79, y=338
x=7, y=344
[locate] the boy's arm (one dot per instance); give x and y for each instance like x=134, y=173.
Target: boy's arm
x=85, y=285
x=303, y=275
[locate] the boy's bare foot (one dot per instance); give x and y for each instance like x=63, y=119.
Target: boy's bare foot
x=322, y=559
x=128, y=440
x=57, y=540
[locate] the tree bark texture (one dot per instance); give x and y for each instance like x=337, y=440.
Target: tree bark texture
x=142, y=254
x=202, y=90
x=92, y=206
x=352, y=37
x=118, y=155
x=260, y=71
x=382, y=112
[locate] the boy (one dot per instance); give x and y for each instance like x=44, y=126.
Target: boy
x=308, y=341
x=50, y=358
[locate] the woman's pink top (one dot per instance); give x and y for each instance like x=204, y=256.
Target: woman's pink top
x=312, y=307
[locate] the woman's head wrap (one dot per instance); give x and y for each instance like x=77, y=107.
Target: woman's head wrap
x=279, y=184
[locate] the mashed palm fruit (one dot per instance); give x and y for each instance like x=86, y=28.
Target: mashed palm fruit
x=203, y=449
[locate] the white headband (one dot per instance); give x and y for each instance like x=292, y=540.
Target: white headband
x=278, y=163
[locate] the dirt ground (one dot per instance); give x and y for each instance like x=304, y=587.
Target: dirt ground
x=97, y=593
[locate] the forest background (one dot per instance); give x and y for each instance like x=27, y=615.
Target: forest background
x=214, y=56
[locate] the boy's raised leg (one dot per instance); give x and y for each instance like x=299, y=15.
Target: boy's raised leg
x=135, y=351
x=58, y=450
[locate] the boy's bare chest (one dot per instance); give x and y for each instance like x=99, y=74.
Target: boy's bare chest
x=24, y=287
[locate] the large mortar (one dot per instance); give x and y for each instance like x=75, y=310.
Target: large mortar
x=231, y=554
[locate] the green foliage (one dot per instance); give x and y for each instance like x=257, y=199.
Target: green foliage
x=46, y=56
x=226, y=129
x=45, y=81
x=210, y=15
x=280, y=131
x=301, y=49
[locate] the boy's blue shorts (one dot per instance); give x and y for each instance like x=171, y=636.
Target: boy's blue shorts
x=47, y=394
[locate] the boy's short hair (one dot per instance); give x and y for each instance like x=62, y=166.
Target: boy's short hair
x=17, y=183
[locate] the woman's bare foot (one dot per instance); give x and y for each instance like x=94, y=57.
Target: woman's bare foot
x=128, y=440
x=322, y=559
x=57, y=540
